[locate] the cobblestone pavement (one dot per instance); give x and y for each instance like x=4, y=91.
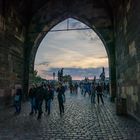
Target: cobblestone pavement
x=81, y=121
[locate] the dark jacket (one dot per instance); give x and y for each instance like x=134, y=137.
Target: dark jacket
x=32, y=93
x=61, y=95
x=99, y=89
x=49, y=94
x=40, y=93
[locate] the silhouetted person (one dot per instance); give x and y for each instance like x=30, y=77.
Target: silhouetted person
x=107, y=88
x=99, y=90
x=46, y=95
x=61, y=97
x=76, y=88
x=39, y=100
x=87, y=88
x=71, y=87
x=17, y=100
x=32, y=98
x=93, y=91
x=49, y=98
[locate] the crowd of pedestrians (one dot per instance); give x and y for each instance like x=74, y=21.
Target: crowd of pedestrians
x=44, y=92
x=39, y=93
x=93, y=88
x=73, y=86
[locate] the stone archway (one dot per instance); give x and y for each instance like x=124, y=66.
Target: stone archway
x=102, y=25
x=116, y=21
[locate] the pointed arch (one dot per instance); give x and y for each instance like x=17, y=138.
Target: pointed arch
x=43, y=34
x=104, y=32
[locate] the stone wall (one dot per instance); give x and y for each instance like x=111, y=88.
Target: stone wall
x=11, y=54
x=128, y=54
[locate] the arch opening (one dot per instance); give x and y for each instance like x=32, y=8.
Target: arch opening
x=104, y=34
x=90, y=53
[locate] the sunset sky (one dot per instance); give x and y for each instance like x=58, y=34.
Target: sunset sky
x=80, y=53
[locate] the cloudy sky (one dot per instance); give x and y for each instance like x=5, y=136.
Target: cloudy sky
x=80, y=53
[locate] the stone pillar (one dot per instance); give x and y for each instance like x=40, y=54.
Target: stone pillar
x=112, y=71
x=112, y=80
x=27, y=53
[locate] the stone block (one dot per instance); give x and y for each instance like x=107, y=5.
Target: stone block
x=132, y=49
x=1, y=92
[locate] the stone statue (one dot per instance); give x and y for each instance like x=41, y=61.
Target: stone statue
x=60, y=74
x=102, y=75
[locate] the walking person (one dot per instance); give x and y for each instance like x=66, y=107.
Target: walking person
x=39, y=99
x=46, y=96
x=17, y=100
x=32, y=98
x=107, y=88
x=87, y=87
x=76, y=88
x=99, y=93
x=71, y=87
x=61, y=97
x=49, y=98
x=93, y=92
x=81, y=88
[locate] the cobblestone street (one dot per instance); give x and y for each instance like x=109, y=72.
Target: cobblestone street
x=81, y=121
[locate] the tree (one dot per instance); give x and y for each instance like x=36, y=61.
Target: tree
x=36, y=78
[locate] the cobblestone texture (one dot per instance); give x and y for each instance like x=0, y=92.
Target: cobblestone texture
x=81, y=121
